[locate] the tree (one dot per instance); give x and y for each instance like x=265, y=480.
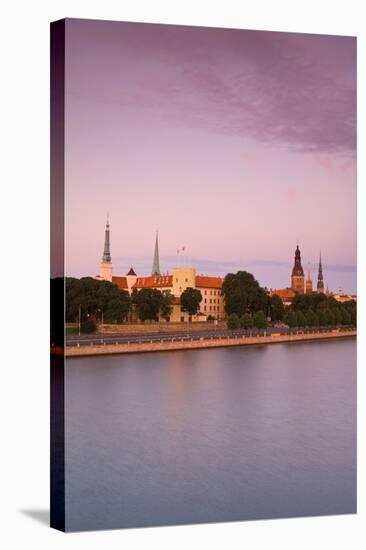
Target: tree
x=88, y=326
x=277, y=309
x=190, y=300
x=300, y=319
x=246, y=321
x=331, y=317
x=337, y=316
x=301, y=302
x=242, y=294
x=326, y=317
x=290, y=319
x=89, y=295
x=233, y=321
x=346, y=317
x=166, y=306
x=318, y=300
x=311, y=318
x=323, y=321
x=148, y=302
x=259, y=320
x=351, y=308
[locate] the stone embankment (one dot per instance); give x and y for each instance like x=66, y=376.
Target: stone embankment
x=154, y=328
x=203, y=343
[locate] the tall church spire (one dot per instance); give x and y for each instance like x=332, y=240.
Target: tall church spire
x=297, y=276
x=105, y=272
x=156, y=263
x=320, y=284
x=107, y=252
x=308, y=282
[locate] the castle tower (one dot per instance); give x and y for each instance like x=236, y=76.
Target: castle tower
x=297, y=276
x=309, y=282
x=320, y=284
x=131, y=279
x=106, y=264
x=156, y=263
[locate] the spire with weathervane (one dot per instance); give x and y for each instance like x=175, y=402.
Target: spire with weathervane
x=107, y=252
x=156, y=263
x=320, y=284
x=297, y=275
x=309, y=281
x=106, y=265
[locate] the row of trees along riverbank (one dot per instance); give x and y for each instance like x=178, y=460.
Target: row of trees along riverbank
x=88, y=300
x=247, y=304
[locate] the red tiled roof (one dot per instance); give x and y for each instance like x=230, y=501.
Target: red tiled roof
x=161, y=281
x=283, y=293
x=121, y=282
x=208, y=282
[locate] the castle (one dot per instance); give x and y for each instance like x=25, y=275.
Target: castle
x=212, y=303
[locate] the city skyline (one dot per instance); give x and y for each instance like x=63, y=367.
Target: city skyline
x=235, y=144
x=339, y=278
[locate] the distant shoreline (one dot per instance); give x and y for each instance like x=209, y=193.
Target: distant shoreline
x=242, y=340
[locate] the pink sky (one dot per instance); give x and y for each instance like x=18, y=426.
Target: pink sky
x=235, y=144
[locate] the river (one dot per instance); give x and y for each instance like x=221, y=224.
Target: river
x=223, y=434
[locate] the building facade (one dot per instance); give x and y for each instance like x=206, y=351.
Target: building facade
x=181, y=278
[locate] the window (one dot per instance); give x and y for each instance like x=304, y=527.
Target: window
x=186, y=280
x=181, y=319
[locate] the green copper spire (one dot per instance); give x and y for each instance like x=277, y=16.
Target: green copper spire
x=107, y=253
x=156, y=264
x=320, y=285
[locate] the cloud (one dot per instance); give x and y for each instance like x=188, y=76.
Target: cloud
x=292, y=89
x=143, y=265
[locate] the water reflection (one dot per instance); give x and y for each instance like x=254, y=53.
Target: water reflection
x=211, y=435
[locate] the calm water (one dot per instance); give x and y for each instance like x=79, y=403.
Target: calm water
x=214, y=435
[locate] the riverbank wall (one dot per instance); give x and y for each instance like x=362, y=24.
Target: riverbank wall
x=153, y=327
x=202, y=343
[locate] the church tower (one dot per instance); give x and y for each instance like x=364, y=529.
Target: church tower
x=309, y=282
x=320, y=284
x=156, y=263
x=297, y=276
x=106, y=265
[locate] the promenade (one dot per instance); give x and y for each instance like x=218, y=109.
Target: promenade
x=187, y=342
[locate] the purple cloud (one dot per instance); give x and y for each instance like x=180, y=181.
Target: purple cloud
x=293, y=89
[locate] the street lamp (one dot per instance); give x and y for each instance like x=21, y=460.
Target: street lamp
x=79, y=319
x=101, y=331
